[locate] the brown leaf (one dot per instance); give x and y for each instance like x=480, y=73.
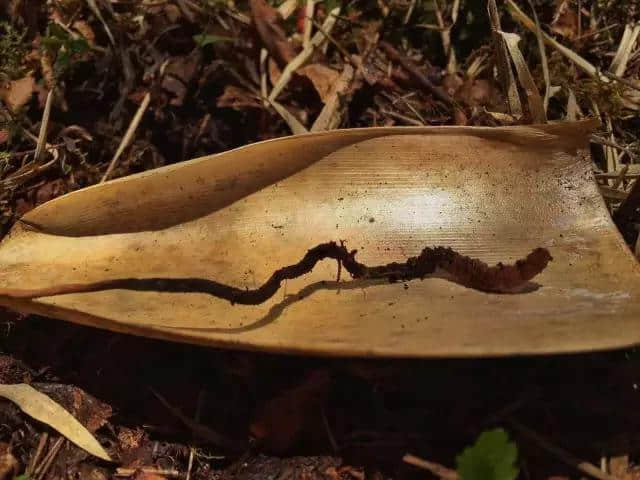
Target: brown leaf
x=267, y=21
x=322, y=78
x=9, y=466
x=281, y=420
x=4, y=136
x=17, y=92
x=238, y=98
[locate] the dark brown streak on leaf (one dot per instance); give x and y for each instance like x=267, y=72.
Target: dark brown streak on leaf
x=464, y=270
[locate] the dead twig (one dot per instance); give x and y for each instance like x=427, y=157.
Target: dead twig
x=130, y=472
x=42, y=469
x=128, y=136
x=44, y=126
x=42, y=442
x=438, y=470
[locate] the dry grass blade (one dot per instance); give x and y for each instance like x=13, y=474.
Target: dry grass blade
x=505, y=74
x=628, y=41
x=536, y=106
x=318, y=39
x=438, y=470
x=44, y=126
x=308, y=19
x=264, y=56
x=150, y=472
x=543, y=59
x=287, y=7
x=128, y=136
x=43, y=409
x=529, y=24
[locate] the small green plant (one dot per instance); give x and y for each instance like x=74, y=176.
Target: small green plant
x=12, y=51
x=492, y=457
x=63, y=47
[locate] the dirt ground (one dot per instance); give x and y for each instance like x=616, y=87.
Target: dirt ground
x=192, y=69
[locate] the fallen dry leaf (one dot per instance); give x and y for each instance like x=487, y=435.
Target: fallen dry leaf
x=42, y=408
x=323, y=78
x=17, y=92
x=267, y=22
x=239, y=215
x=280, y=421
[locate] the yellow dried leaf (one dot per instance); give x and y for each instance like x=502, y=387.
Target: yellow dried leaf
x=236, y=217
x=45, y=410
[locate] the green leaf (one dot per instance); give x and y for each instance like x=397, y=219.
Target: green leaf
x=23, y=477
x=492, y=457
x=204, y=39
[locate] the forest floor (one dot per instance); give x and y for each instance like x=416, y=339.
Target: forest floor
x=198, y=73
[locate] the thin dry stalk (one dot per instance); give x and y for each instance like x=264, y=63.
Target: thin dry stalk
x=42, y=443
x=42, y=469
x=308, y=14
x=44, y=126
x=331, y=114
x=130, y=472
x=505, y=74
x=535, y=103
x=128, y=136
x=628, y=41
x=264, y=55
x=543, y=59
x=530, y=25
x=318, y=39
x=287, y=8
x=192, y=451
x=435, y=468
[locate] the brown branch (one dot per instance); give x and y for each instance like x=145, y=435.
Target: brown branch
x=446, y=262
